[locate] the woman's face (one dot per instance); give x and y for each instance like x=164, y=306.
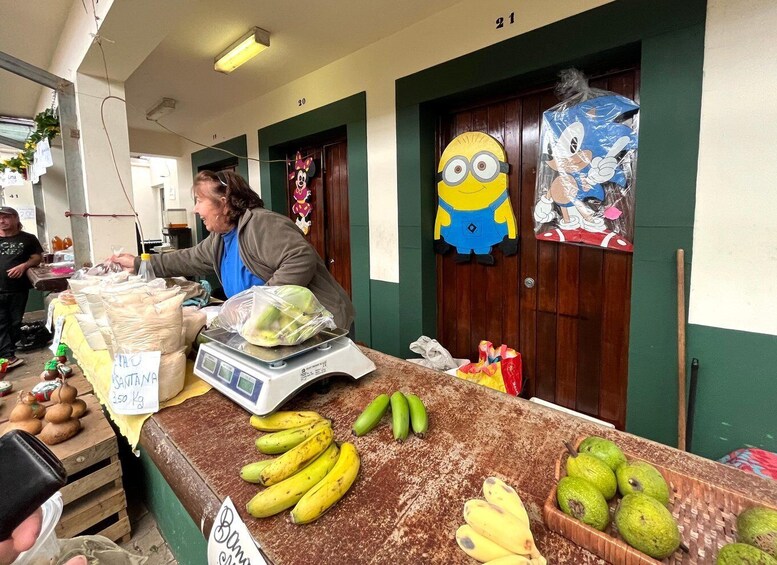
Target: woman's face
x=212, y=208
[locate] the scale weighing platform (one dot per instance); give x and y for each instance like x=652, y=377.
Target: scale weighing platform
x=260, y=379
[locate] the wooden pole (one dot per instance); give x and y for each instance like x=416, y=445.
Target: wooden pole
x=681, y=417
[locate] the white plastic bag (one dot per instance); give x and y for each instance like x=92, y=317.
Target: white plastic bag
x=435, y=356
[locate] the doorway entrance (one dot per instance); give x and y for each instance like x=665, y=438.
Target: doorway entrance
x=565, y=308
x=329, y=230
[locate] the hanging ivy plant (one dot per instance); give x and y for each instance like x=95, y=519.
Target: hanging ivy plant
x=46, y=127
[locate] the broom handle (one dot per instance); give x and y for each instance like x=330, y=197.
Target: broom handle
x=681, y=417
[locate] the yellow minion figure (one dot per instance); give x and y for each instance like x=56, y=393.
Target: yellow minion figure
x=474, y=211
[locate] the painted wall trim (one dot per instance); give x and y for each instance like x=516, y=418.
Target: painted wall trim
x=350, y=112
x=205, y=157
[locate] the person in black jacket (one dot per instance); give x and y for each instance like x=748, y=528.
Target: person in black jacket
x=19, y=251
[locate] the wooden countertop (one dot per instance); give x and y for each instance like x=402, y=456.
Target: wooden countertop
x=407, y=502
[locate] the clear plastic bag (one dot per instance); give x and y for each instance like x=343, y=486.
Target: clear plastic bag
x=586, y=175
x=269, y=316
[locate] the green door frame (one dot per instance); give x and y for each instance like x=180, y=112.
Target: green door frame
x=211, y=156
x=350, y=112
x=670, y=37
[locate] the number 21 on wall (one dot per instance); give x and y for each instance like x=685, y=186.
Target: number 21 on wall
x=500, y=21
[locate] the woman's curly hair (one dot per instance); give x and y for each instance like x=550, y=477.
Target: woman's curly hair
x=240, y=196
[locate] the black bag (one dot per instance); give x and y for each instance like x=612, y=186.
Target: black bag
x=31, y=473
x=34, y=336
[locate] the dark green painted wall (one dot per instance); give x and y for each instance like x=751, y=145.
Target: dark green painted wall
x=350, y=112
x=736, y=391
x=142, y=479
x=670, y=97
x=212, y=156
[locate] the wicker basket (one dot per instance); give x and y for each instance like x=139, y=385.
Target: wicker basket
x=705, y=514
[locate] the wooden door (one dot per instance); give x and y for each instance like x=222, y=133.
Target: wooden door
x=572, y=325
x=330, y=230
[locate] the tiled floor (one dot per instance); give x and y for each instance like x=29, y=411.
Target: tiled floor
x=146, y=539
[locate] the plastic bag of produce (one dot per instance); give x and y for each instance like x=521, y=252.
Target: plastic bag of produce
x=498, y=368
x=269, y=316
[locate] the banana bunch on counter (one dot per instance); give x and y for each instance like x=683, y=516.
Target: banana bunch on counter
x=311, y=472
x=497, y=531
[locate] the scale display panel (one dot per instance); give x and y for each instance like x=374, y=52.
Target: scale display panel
x=246, y=384
x=226, y=372
x=209, y=363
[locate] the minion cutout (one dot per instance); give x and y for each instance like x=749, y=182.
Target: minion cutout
x=474, y=211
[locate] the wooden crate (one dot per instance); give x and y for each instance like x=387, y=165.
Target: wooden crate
x=94, y=493
x=78, y=380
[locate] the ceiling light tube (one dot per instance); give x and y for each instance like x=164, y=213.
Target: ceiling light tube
x=161, y=108
x=242, y=50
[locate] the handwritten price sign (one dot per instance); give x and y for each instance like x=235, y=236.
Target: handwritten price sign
x=230, y=542
x=135, y=383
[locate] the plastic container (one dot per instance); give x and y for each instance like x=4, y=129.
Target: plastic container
x=176, y=218
x=47, y=545
x=146, y=271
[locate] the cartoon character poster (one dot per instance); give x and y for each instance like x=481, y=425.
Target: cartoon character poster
x=304, y=169
x=586, y=173
x=474, y=212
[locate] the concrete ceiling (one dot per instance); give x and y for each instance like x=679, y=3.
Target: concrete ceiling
x=166, y=49
x=29, y=30
x=304, y=35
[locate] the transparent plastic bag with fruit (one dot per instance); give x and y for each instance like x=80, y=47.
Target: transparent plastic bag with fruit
x=270, y=316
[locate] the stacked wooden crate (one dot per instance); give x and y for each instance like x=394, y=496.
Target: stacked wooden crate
x=94, y=498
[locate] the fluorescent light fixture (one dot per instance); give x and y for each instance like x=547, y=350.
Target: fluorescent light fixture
x=161, y=108
x=242, y=50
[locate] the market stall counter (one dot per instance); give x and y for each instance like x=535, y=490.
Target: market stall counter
x=406, y=504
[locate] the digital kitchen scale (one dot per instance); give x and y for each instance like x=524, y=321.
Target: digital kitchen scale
x=261, y=379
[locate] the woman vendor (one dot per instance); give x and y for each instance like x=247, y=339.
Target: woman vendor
x=248, y=246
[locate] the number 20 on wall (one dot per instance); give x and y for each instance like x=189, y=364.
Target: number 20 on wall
x=500, y=21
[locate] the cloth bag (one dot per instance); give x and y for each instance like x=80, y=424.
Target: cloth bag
x=499, y=368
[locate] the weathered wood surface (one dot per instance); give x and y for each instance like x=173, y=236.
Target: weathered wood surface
x=407, y=502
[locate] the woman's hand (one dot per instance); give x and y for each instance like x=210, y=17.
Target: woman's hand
x=126, y=260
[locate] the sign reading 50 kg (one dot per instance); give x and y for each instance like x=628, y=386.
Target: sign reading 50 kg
x=135, y=383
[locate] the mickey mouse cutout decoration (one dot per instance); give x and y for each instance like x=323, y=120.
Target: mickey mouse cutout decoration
x=304, y=169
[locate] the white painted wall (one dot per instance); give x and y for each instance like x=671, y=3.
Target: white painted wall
x=147, y=200
x=734, y=276
x=54, y=190
x=102, y=181
x=459, y=30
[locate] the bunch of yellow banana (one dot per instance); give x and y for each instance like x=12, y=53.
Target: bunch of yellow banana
x=497, y=531
x=311, y=473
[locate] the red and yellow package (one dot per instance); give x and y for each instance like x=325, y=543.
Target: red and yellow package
x=498, y=368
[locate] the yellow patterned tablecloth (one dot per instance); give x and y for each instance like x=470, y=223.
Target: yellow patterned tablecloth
x=97, y=367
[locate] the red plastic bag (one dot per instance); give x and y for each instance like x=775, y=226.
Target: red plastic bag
x=499, y=368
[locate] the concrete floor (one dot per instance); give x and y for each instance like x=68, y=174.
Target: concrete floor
x=146, y=539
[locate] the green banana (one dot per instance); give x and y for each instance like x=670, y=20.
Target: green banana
x=371, y=415
x=283, y=420
x=297, y=457
x=281, y=442
x=287, y=493
x=419, y=420
x=400, y=416
x=330, y=489
x=252, y=471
